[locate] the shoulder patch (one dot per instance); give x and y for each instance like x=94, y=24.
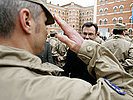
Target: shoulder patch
x=118, y=90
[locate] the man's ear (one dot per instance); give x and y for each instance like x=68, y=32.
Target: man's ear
x=25, y=20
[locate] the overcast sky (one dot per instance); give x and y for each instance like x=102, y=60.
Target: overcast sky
x=83, y=3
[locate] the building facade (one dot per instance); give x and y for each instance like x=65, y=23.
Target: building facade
x=75, y=15
x=110, y=12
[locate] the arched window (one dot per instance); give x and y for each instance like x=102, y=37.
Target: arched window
x=114, y=21
x=106, y=1
x=67, y=19
x=120, y=20
x=101, y=11
x=73, y=26
x=55, y=25
x=100, y=22
x=90, y=19
x=83, y=20
x=63, y=13
x=101, y=2
x=87, y=19
x=80, y=20
x=130, y=32
x=50, y=9
x=121, y=9
x=90, y=12
x=106, y=11
x=73, y=12
x=70, y=19
x=59, y=12
x=87, y=13
x=115, y=9
x=55, y=10
x=105, y=21
x=69, y=11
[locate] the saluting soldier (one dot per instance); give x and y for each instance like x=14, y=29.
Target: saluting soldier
x=24, y=77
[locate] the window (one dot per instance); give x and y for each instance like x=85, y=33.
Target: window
x=120, y=20
x=106, y=11
x=50, y=10
x=73, y=12
x=87, y=19
x=106, y=1
x=121, y=9
x=105, y=21
x=69, y=11
x=87, y=13
x=115, y=9
x=80, y=20
x=101, y=12
x=90, y=12
x=114, y=21
x=70, y=19
x=101, y=2
x=67, y=19
x=73, y=18
x=63, y=13
x=55, y=25
x=59, y=12
x=90, y=19
x=73, y=26
x=55, y=11
x=77, y=12
x=130, y=32
x=83, y=20
x=100, y=22
x=83, y=13
x=131, y=21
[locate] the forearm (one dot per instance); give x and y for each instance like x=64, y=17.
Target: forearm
x=101, y=61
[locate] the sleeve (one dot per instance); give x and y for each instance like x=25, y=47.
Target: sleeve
x=102, y=62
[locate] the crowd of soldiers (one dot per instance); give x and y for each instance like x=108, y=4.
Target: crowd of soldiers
x=118, y=43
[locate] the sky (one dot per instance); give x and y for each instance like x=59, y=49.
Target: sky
x=83, y=3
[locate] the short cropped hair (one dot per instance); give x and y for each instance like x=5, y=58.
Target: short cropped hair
x=89, y=24
x=9, y=12
x=119, y=32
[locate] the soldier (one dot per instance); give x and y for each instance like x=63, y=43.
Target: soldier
x=121, y=48
x=89, y=32
x=23, y=77
x=58, y=49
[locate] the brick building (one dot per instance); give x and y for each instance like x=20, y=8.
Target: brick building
x=110, y=12
x=74, y=14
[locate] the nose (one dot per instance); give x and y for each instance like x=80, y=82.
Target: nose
x=87, y=37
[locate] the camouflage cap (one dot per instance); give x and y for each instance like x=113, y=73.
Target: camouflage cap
x=50, y=19
x=120, y=26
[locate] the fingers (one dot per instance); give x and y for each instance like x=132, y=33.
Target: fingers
x=65, y=27
x=66, y=40
x=73, y=39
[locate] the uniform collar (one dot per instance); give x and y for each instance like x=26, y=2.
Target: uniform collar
x=10, y=56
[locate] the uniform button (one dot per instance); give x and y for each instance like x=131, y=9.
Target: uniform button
x=89, y=48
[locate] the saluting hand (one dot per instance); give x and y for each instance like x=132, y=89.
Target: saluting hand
x=73, y=39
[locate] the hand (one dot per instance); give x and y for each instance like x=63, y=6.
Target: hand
x=73, y=38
